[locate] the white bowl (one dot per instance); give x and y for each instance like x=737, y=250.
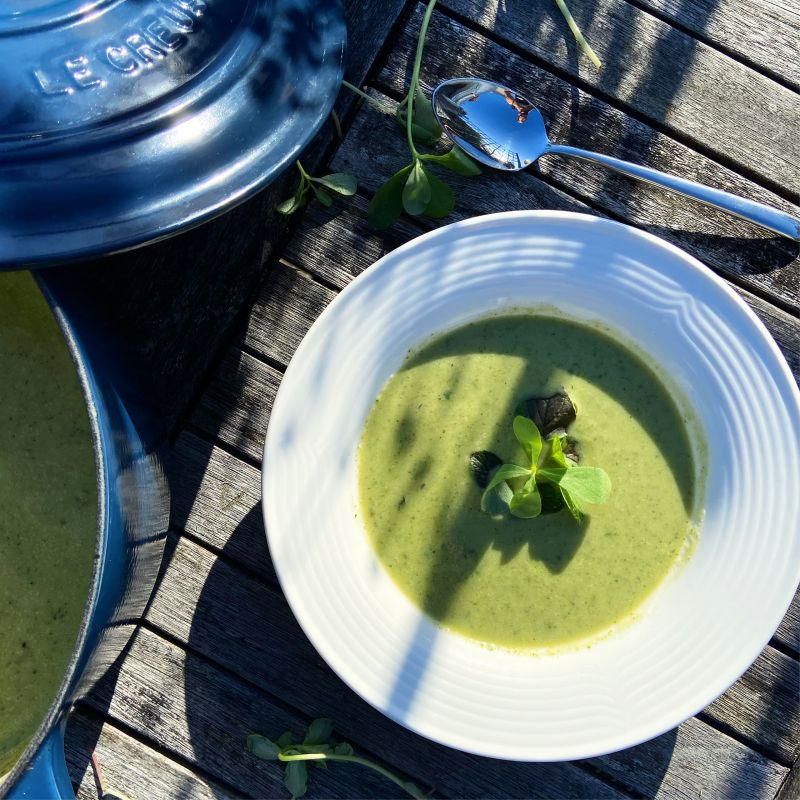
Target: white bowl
x=701, y=629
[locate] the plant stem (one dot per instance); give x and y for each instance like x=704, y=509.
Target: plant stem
x=412, y=89
x=305, y=175
x=371, y=100
x=579, y=38
x=407, y=786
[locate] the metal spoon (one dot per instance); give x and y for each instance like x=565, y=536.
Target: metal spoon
x=502, y=129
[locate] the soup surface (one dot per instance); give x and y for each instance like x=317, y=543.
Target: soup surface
x=514, y=582
x=48, y=522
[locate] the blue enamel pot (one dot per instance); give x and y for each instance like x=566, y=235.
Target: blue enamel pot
x=132, y=522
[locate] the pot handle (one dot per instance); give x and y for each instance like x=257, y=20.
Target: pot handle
x=46, y=778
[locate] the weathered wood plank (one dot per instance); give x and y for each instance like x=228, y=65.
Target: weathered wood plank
x=790, y=789
x=217, y=498
x=759, y=259
x=788, y=634
x=204, y=716
x=763, y=33
x=764, y=708
x=129, y=767
x=667, y=76
x=194, y=605
x=336, y=245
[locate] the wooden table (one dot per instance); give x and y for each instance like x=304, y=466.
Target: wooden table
x=707, y=89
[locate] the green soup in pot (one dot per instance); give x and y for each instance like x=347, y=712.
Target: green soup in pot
x=525, y=583
x=48, y=511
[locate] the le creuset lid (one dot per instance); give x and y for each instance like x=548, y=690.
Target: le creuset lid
x=125, y=120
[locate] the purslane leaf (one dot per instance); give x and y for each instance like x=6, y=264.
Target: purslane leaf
x=342, y=183
x=263, y=748
x=442, y=200
x=505, y=473
x=586, y=485
x=423, y=113
x=295, y=778
x=322, y=196
x=495, y=500
x=387, y=203
x=285, y=739
x=571, y=505
x=343, y=749
x=417, y=190
x=527, y=502
x=419, y=134
x=292, y=204
x=458, y=161
x=556, y=453
x=528, y=436
x=319, y=731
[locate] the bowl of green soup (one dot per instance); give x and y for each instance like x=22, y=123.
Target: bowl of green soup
x=515, y=490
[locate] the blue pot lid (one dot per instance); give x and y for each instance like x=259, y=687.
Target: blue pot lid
x=122, y=121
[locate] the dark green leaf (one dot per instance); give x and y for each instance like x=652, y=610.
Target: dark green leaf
x=442, y=200
x=263, y=748
x=322, y=196
x=549, y=413
x=295, y=778
x=527, y=502
x=285, y=739
x=387, y=204
x=423, y=114
x=419, y=133
x=293, y=204
x=527, y=434
x=495, y=500
x=343, y=749
x=586, y=485
x=481, y=465
x=340, y=182
x=458, y=161
x=319, y=731
x=417, y=191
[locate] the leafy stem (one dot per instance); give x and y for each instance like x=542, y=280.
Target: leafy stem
x=361, y=93
x=414, y=85
x=340, y=183
x=316, y=748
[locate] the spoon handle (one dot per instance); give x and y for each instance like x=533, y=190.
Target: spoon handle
x=771, y=218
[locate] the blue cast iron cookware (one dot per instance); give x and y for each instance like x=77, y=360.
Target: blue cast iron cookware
x=132, y=523
x=123, y=121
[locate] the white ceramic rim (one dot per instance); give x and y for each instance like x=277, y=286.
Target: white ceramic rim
x=353, y=674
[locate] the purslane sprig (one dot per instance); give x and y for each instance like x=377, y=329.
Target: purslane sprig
x=341, y=183
x=316, y=748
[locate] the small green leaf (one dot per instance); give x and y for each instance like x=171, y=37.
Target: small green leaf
x=423, y=114
x=319, y=731
x=506, y=473
x=417, y=191
x=530, y=439
x=322, y=196
x=263, y=748
x=527, y=502
x=571, y=505
x=495, y=501
x=458, y=161
x=419, y=133
x=294, y=203
x=343, y=749
x=387, y=204
x=285, y=739
x=552, y=474
x=586, y=485
x=340, y=182
x=442, y=200
x=556, y=455
x=295, y=778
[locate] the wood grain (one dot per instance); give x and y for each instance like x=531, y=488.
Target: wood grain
x=761, y=32
x=129, y=767
x=242, y=623
x=729, y=245
x=663, y=75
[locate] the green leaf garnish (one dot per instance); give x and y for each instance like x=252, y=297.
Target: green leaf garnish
x=442, y=200
x=295, y=778
x=319, y=731
x=527, y=502
x=340, y=182
x=529, y=438
x=553, y=480
x=387, y=204
x=456, y=160
x=263, y=748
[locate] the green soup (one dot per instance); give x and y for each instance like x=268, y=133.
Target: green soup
x=512, y=582
x=48, y=511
